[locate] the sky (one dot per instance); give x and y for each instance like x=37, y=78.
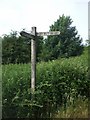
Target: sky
x=23, y=14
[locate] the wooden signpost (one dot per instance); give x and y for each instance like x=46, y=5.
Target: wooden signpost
x=33, y=36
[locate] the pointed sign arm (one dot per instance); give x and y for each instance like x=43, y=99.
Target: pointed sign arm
x=28, y=35
x=48, y=33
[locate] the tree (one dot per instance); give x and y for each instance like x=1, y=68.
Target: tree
x=17, y=49
x=68, y=43
x=39, y=47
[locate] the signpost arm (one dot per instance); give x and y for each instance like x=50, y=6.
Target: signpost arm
x=33, y=61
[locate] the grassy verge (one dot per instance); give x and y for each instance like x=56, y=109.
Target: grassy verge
x=77, y=110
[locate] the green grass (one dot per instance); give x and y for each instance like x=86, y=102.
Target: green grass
x=77, y=110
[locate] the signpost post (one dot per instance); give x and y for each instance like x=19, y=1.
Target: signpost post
x=33, y=36
x=33, y=60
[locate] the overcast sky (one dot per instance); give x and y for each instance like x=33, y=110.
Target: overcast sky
x=19, y=14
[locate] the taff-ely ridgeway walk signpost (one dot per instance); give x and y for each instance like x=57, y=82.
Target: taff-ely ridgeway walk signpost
x=33, y=36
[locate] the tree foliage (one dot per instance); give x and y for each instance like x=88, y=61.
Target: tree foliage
x=68, y=43
x=16, y=49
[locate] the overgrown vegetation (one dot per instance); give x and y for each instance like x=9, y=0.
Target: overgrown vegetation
x=77, y=110
x=58, y=84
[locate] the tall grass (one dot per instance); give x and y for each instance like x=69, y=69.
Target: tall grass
x=77, y=110
x=57, y=83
